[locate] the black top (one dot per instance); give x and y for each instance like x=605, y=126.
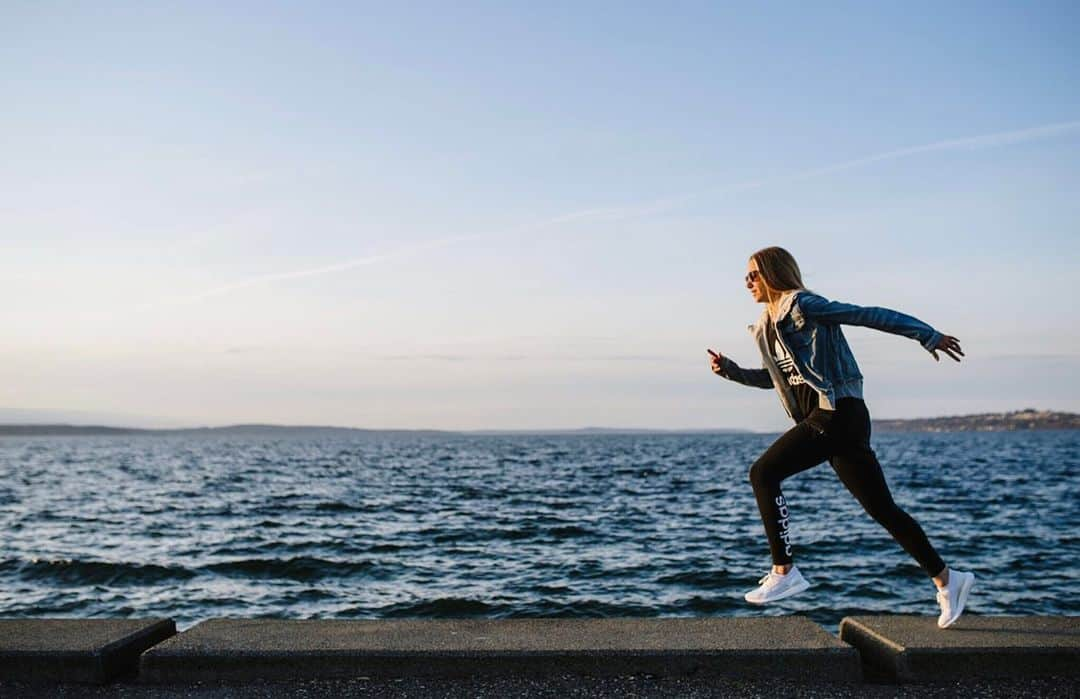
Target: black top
x=805, y=396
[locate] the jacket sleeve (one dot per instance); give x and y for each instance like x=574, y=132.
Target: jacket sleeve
x=835, y=312
x=761, y=378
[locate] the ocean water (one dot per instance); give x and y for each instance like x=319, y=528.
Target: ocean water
x=435, y=526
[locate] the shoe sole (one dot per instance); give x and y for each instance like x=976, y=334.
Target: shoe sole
x=793, y=590
x=961, y=600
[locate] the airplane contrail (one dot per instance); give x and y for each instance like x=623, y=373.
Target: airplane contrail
x=267, y=278
x=993, y=140
x=311, y=272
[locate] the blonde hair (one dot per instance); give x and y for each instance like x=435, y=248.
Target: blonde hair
x=779, y=268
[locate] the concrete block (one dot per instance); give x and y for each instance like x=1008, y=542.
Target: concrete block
x=270, y=649
x=913, y=649
x=75, y=650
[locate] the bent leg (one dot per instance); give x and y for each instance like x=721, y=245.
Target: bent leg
x=858, y=468
x=798, y=449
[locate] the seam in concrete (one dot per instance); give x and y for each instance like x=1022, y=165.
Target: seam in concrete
x=122, y=655
x=874, y=649
x=883, y=640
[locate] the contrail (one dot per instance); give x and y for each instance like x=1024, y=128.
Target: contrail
x=267, y=278
x=1002, y=138
x=312, y=272
x=993, y=140
x=590, y=214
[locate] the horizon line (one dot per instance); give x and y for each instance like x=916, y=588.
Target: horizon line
x=488, y=430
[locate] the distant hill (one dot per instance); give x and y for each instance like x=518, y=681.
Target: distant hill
x=74, y=430
x=1027, y=419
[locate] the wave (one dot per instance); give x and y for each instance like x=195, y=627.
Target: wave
x=301, y=568
x=334, y=506
x=708, y=579
x=80, y=572
x=520, y=533
x=440, y=608
x=569, y=532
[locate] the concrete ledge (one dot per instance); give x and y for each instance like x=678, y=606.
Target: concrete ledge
x=75, y=650
x=276, y=650
x=914, y=649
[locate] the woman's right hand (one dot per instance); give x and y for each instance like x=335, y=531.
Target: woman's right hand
x=715, y=359
x=949, y=345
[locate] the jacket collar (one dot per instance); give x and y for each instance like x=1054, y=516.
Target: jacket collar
x=786, y=301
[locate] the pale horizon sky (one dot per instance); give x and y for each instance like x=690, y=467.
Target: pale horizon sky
x=509, y=216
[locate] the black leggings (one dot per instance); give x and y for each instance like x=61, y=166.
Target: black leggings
x=846, y=444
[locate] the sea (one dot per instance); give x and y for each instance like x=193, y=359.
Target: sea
x=399, y=525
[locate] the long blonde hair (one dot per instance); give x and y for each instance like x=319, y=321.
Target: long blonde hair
x=779, y=268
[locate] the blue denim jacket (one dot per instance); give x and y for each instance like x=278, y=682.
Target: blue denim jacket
x=808, y=325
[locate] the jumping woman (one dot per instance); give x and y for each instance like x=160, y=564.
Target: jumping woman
x=808, y=361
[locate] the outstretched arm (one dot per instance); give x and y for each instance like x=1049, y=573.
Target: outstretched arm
x=835, y=312
x=722, y=366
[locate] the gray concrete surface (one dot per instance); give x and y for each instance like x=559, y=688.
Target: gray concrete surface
x=233, y=650
x=75, y=650
x=913, y=649
x=554, y=687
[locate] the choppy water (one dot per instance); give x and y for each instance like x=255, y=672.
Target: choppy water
x=514, y=526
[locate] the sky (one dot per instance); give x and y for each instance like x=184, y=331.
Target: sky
x=525, y=215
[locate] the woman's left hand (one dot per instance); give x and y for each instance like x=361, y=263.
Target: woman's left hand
x=948, y=344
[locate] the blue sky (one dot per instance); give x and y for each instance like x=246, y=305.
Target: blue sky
x=511, y=215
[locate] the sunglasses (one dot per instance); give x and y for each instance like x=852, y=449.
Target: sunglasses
x=752, y=276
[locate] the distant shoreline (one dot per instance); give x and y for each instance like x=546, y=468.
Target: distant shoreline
x=1028, y=419
x=1020, y=420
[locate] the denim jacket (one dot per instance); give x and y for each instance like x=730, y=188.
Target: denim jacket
x=808, y=325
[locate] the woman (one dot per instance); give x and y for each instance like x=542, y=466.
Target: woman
x=808, y=361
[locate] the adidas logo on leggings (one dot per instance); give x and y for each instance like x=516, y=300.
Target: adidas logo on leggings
x=783, y=521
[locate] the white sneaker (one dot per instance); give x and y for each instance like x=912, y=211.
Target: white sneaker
x=775, y=586
x=953, y=597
